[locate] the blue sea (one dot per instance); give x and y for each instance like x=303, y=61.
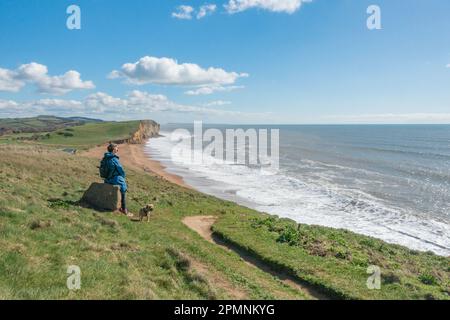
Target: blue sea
x=387, y=181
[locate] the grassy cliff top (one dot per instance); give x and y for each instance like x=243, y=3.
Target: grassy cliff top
x=338, y=261
x=43, y=230
x=41, y=123
x=92, y=134
x=81, y=136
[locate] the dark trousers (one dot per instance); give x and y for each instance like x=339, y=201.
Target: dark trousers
x=123, y=200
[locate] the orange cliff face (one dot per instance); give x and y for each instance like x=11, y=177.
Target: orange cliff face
x=147, y=129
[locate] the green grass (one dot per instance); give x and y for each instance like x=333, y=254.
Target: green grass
x=81, y=137
x=43, y=230
x=35, y=123
x=91, y=134
x=40, y=123
x=337, y=260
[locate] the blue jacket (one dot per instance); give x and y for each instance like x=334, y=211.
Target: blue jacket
x=116, y=171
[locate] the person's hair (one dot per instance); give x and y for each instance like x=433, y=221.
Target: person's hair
x=111, y=147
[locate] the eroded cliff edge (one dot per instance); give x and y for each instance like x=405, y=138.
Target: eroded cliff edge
x=147, y=129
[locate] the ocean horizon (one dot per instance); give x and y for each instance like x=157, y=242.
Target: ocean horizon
x=389, y=181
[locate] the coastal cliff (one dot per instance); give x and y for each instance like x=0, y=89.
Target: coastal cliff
x=147, y=129
x=310, y=261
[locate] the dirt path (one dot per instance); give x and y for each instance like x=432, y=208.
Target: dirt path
x=202, y=225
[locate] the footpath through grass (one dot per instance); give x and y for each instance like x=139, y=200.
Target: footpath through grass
x=337, y=260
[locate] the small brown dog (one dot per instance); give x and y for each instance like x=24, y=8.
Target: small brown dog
x=145, y=212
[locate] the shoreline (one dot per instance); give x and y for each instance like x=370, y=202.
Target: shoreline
x=329, y=261
x=134, y=156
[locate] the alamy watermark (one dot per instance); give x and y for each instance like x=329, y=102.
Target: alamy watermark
x=74, y=279
x=73, y=22
x=250, y=146
x=374, y=280
x=374, y=19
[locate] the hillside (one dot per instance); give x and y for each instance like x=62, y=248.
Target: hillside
x=43, y=230
x=89, y=135
x=40, y=124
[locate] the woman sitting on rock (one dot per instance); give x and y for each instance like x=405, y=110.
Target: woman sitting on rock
x=112, y=171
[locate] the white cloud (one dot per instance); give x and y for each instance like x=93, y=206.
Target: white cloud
x=287, y=6
x=205, y=10
x=183, y=12
x=207, y=90
x=168, y=71
x=58, y=103
x=11, y=108
x=9, y=82
x=139, y=103
x=8, y=104
x=37, y=74
x=141, y=100
x=101, y=102
x=186, y=12
x=217, y=103
x=448, y=66
x=392, y=118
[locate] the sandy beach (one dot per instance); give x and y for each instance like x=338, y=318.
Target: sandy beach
x=133, y=155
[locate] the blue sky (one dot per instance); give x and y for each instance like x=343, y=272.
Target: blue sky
x=273, y=61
